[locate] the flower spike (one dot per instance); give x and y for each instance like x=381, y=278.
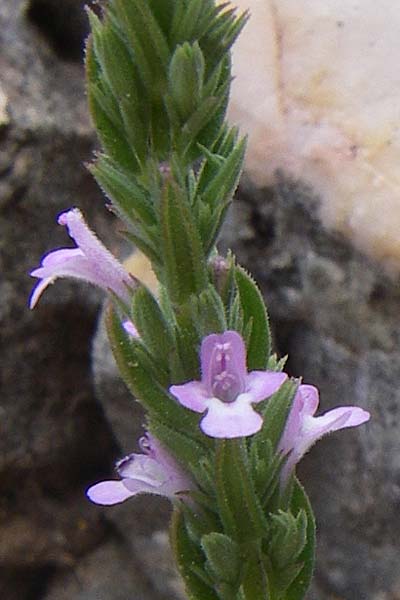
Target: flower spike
x=153, y=472
x=227, y=391
x=90, y=261
x=302, y=429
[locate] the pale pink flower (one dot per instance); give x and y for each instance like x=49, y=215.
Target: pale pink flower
x=153, y=472
x=90, y=261
x=302, y=429
x=227, y=391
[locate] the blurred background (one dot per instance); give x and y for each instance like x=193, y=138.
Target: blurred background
x=65, y=416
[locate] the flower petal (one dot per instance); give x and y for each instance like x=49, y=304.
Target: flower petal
x=231, y=420
x=109, y=492
x=339, y=418
x=68, y=262
x=262, y=384
x=57, y=258
x=192, y=394
x=38, y=290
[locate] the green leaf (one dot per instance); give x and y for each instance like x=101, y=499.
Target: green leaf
x=275, y=413
x=115, y=60
x=144, y=47
x=208, y=313
x=300, y=585
x=153, y=328
x=182, y=445
x=235, y=319
x=188, y=556
x=212, y=130
x=200, y=518
x=223, y=557
x=275, y=364
x=224, y=183
x=184, y=260
x=203, y=471
x=185, y=78
x=105, y=114
x=254, y=310
x=288, y=537
x=197, y=121
x=101, y=96
x=127, y=195
x=141, y=378
x=265, y=465
x=135, y=116
x=221, y=34
x=236, y=494
x=255, y=581
x=215, y=156
x=216, y=221
x=192, y=19
x=188, y=342
x=140, y=17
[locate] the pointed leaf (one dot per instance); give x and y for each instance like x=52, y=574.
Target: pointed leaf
x=185, y=78
x=275, y=413
x=235, y=493
x=225, y=181
x=181, y=445
x=128, y=196
x=140, y=378
x=288, y=537
x=187, y=556
x=300, y=585
x=208, y=312
x=153, y=328
x=255, y=582
x=184, y=260
x=254, y=308
x=223, y=556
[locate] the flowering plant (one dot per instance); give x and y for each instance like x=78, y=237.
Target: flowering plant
x=225, y=425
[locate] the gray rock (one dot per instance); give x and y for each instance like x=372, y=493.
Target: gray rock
x=109, y=573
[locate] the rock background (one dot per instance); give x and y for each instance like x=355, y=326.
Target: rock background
x=61, y=427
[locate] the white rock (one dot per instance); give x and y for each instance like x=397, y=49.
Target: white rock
x=317, y=89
